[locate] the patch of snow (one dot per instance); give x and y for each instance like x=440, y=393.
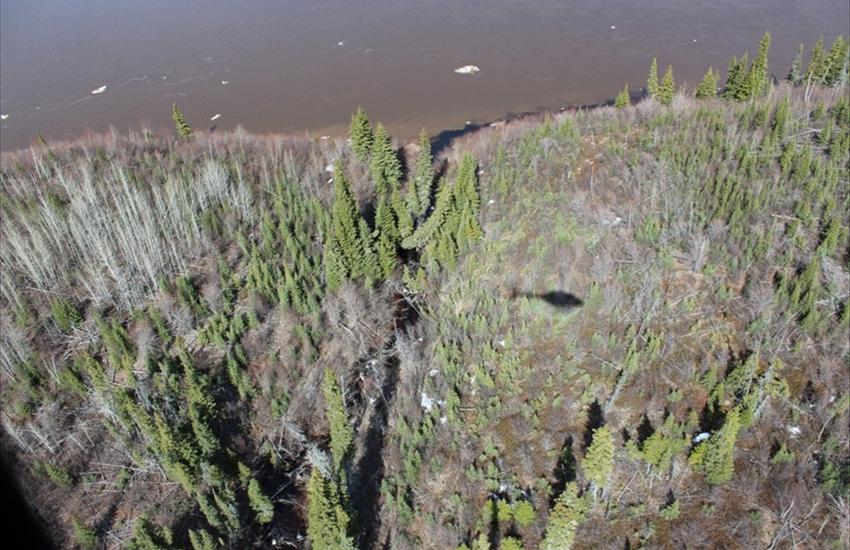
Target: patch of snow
x=426, y=402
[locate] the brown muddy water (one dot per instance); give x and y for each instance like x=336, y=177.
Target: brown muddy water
x=304, y=66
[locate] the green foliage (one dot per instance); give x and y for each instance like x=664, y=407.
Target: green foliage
x=564, y=520
x=59, y=475
x=328, y=523
x=598, y=463
x=86, y=536
x=386, y=168
x=707, y=88
x=716, y=456
x=202, y=540
x=149, y=536
x=622, y=99
x=64, y=313
x=524, y=513
x=671, y=511
x=652, y=87
x=259, y=502
x=667, y=89
x=756, y=82
x=511, y=543
x=184, y=131
x=361, y=134
x=419, y=195
x=349, y=250
x=735, y=77
x=342, y=434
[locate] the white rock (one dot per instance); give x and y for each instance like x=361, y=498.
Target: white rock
x=329, y=168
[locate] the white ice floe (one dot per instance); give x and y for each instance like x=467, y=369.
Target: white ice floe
x=467, y=69
x=613, y=26
x=225, y=82
x=99, y=90
x=4, y=117
x=216, y=117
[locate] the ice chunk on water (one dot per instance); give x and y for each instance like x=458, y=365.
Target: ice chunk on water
x=216, y=117
x=467, y=69
x=99, y=90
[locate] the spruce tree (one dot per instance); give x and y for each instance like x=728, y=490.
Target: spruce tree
x=361, y=134
x=342, y=435
x=652, y=81
x=345, y=245
x=837, y=64
x=598, y=463
x=795, y=75
x=814, y=71
x=184, y=131
x=564, y=520
x=667, y=88
x=419, y=195
x=756, y=83
x=386, y=168
x=735, y=76
x=622, y=99
x=707, y=88
x=328, y=522
x=259, y=502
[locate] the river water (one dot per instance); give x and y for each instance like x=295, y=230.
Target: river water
x=304, y=66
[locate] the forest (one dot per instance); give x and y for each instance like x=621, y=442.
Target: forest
x=618, y=327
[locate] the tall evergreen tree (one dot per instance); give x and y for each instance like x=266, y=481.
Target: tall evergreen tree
x=361, y=134
x=795, y=75
x=419, y=195
x=328, y=522
x=837, y=64
x=349, y=244
x=184, y=131
x=708, y=85
x=652, y=81
x=756, y=83
x=814, y=71
x=668, y=87
x=598, y=463
x=564, y=520
x=342, y=435
x=735, y=76
x=386, y=168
